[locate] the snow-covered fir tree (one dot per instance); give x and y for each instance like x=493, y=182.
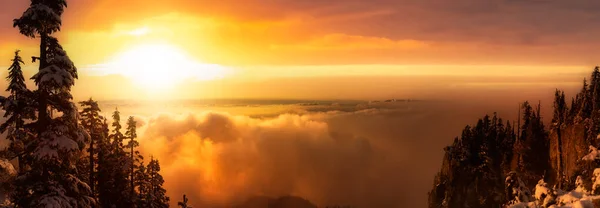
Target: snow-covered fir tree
x=17, y=107
x=52, y=180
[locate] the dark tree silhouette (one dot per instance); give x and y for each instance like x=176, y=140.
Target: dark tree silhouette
x=17, y=107
x=53, y=179
x=113, y=179
x=134, y=156
x=184, y=203
x=157, y=194
x=91, y=120
x=558, y=120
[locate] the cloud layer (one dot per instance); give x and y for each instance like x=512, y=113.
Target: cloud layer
x=219, y=159
x=376, y=155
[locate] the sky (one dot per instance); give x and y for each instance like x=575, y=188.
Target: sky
x=224, y=44
x=464, y=58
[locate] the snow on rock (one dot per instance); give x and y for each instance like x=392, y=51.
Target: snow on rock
x=580, y=187
x=523, y=205
x=578, y=198
x=583, y=204
x=7, y=170
x=593, y=155
x=519, y=192
x=570, y=197
x=574, y=199
x=596, y=181
x=544, y=195
x=541, y=190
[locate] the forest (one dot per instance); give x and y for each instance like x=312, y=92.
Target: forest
x=67, y=157
x=498, y=163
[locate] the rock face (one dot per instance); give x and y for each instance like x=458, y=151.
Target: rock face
x=574, y=147
x=475, y=166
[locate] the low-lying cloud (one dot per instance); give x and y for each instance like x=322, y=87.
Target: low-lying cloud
x=374, y=156
x=219, y=159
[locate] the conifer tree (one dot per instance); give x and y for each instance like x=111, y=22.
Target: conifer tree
x=91, y=120
x=42, y=19
x=157, y=193
x=134, y=156
x=142, y=184
x=17, y=107
x=531, y=149
x=53, y=179
x=113, y=185
x=184, y=203
x=586, y=102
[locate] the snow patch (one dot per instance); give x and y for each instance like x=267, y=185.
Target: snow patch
x=593, y=155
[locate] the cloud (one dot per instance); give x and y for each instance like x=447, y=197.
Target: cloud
x=353, y=42
x=356, y=31
x=369, y=155
x=218, y=159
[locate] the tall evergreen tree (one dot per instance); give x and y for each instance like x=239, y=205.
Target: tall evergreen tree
x=531, y=149
x=142, y=183
x=42, y=19
x=157, y=194
x=586, y=102
x=91, y=120
x=17, y=107
x=53, y=179
x=113, y=187
x=116, y=136
x=134, y=156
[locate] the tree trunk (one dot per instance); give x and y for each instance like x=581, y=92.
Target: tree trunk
x=92, y=157
x=559, y=156
x=42, y=101
x=132, y=176
x=519, y=123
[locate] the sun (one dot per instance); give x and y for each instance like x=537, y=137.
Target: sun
x=162, y=66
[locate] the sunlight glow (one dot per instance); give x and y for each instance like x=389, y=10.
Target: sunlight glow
x=139, y=32
x=161, y=66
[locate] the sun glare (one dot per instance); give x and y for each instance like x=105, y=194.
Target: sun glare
x=139, y=31
x=162, y=66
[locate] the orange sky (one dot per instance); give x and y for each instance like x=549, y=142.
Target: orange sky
x=267, y=39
